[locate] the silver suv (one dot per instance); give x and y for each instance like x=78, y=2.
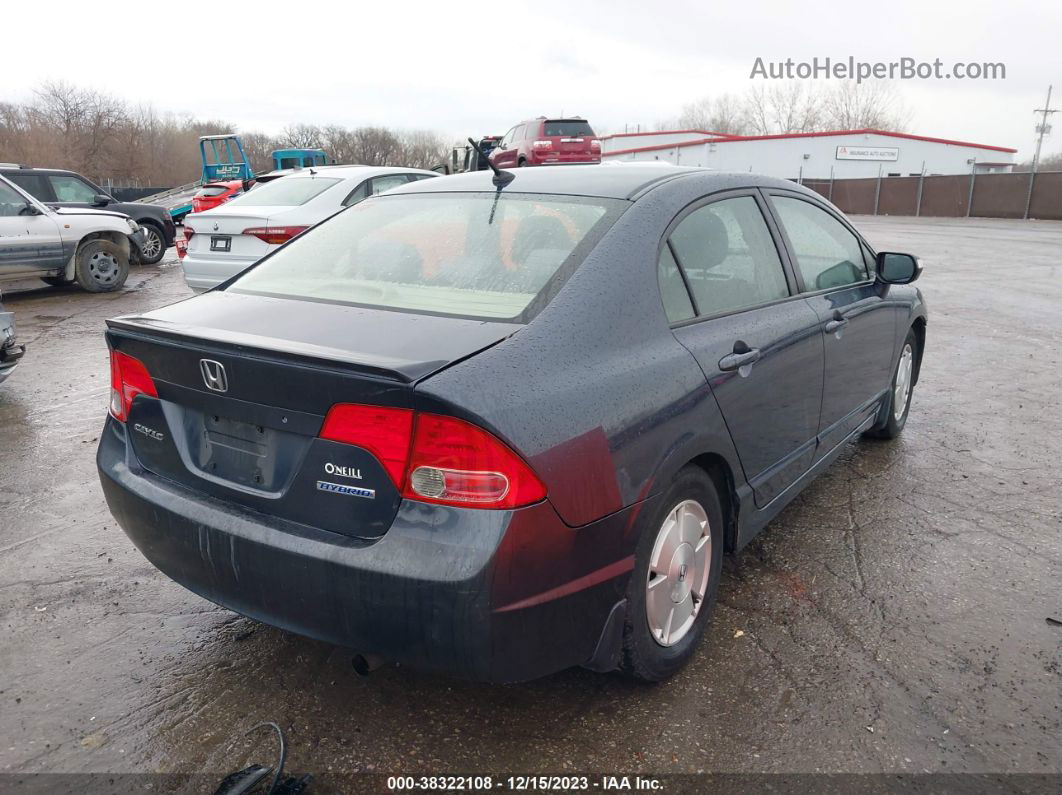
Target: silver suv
x=64, y=245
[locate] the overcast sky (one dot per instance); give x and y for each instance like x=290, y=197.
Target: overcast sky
x=477, y=68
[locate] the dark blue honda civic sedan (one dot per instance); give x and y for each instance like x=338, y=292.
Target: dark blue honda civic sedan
x=500, y=428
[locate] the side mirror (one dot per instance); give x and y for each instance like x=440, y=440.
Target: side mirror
x=29, y=209
x=894, y=268
x=101, y=200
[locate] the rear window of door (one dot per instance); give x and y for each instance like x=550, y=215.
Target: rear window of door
x=380, y=184
x=827, y=254
x=728, y=257
x=34, y=184
x=71, y=189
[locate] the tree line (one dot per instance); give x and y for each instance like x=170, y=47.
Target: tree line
x=109, y=140
x=796, y=107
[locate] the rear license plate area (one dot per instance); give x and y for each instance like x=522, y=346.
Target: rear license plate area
x=220, y=243
x=241, y=452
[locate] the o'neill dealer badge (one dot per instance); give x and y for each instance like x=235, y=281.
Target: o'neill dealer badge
x=350, y=491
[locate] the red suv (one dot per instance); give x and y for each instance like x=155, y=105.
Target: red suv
x=543, y=142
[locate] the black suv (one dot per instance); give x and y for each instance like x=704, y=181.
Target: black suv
x=58, y=188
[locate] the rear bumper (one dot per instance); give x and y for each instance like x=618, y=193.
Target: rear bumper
x=490, y=595
x=564, y=159
x=205, y=274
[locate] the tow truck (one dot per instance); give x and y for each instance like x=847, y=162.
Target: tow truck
x=227, y=172
x=465, y=158
x=226, y=162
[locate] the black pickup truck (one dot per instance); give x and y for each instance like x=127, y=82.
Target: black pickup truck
x=58, y=188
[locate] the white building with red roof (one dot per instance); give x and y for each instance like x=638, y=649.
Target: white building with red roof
x=840, y=153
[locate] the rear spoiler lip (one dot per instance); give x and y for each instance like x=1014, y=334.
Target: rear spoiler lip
x=401, y=370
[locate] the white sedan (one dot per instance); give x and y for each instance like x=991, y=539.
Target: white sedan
x=227, y=239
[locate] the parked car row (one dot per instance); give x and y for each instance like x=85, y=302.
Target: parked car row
x=64, y=245
x=61, y=188
x=225, y=240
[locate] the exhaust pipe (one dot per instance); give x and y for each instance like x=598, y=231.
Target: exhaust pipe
x=365, y=664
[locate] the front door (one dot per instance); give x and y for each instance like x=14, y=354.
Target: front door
x=758, y=343
x=27, y=242
x=858, y=323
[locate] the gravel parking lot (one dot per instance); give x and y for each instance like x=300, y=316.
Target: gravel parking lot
x=893, y=619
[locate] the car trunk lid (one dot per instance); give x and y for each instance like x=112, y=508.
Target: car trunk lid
x=243, y=386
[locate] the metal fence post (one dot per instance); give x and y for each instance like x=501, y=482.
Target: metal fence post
x=1028, y=198
x=831, y=184
x=877, y=192
x=800, y=175
x=918, y=201
x=973, y=177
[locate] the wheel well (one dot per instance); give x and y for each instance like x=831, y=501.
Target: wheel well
x=919, y=327
x=719, y=471
x=117, y=238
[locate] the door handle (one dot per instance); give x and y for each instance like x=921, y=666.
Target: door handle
x=839, y=322
x=739, y=359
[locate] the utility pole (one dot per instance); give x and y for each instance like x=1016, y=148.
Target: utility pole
x=1042, y=128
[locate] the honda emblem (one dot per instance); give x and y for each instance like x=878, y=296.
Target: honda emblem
x=214, y=375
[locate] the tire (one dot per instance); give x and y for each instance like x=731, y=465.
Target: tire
x=100, y=266
x=57, y=281
x=897, y=419
x=654, y=649
x=154, y=244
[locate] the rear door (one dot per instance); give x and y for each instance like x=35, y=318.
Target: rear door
x=756, y=340
x=857, y=323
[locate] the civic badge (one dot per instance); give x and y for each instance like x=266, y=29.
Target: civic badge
x=214, y=375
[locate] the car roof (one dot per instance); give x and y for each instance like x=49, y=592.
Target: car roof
x=348, y=172
x=611, y=181
x=34, y=170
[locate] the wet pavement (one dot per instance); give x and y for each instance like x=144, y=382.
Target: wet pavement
x=894, y=618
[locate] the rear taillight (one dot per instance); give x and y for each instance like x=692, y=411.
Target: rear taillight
x=595, y=145
x=188, y=232
x=384, y=432
x=437, y=459
x=544, y=144
x=129, y=378
x=274, y=235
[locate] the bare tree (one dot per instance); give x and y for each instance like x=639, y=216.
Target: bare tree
x=301, y=136
x=798, y=107
x=792, y=107
x=870, y=105
x=725, y=114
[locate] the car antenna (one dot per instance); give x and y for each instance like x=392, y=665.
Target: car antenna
x=501, y=178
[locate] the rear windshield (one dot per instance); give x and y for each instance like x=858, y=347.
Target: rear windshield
x=567, y=128
x=477, y=255
x=285, y=192
x=212, y=190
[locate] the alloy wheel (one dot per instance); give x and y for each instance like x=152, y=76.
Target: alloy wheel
x=152, y=243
